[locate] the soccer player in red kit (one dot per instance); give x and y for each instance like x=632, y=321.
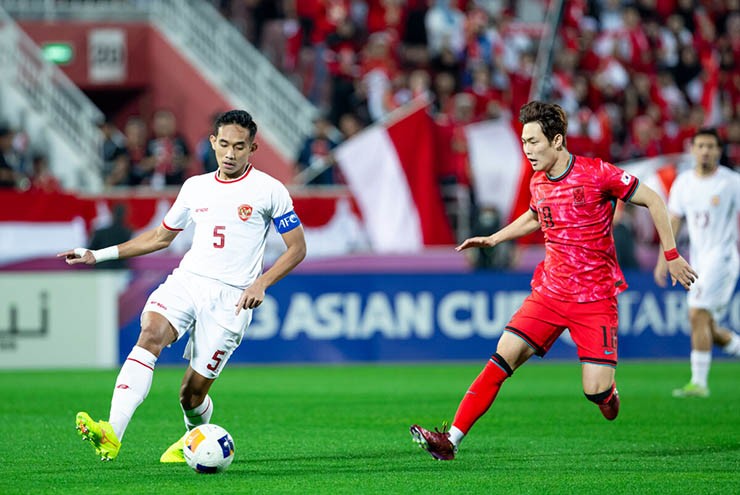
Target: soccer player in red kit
x=576, y=286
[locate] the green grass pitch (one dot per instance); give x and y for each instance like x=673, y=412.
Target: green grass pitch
x=344, y=429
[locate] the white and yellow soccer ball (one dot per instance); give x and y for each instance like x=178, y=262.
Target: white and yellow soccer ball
x=208, y=449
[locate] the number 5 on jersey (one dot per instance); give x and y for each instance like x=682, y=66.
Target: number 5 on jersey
x=219, y=236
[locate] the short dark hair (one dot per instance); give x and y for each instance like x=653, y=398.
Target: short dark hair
x=707, y=131
x=550, y=116
x=238, y=117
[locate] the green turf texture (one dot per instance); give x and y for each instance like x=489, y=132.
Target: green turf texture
x=344, y=429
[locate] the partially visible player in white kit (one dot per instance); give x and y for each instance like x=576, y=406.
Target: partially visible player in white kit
x=211, y=295
x=708, y=197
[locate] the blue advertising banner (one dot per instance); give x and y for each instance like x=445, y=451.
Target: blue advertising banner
x=423, y=317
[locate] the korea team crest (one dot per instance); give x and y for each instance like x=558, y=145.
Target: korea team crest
x=245, y=211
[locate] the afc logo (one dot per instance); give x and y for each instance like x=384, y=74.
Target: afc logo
x=287, y=222
x=245, y=211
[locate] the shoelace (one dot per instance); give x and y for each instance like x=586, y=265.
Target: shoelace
x=445, y=428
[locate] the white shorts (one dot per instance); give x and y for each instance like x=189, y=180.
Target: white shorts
x=713, y=289
x=204, y=308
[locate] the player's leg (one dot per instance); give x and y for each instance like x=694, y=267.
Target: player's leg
x=168, y=314
x=197, y=409
x=594, y=330
x=725, y=338
x=196, y=404
x=701, y=322
x=212, y=342
x=511, y=352
x=132, y=386
x=600, y=388
x=721, y=295
x=443, y=445
x=515, y=347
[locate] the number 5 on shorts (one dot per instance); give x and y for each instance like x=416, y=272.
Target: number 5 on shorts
x=216, y=358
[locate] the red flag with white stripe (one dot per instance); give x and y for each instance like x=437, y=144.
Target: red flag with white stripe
x=390, y=170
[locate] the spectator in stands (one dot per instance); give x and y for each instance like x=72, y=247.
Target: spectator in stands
x=140, y=169
x=378, y=70
x=316, y=154
x=501, y=257
x=349, y=125
x=9, y=177
x=168, y=150
x=115, y=162
x=445, y=25
x=42, y=180
x=624, y=237
x=343, y=47
x=731, y=152
x=204, y=150
x=116, y=233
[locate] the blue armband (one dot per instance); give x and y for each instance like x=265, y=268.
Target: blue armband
x=287, y=222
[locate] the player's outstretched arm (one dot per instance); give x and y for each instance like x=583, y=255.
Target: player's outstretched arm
x=295, y=242
x=679, y=269
x=145, y=243
x=525, y=224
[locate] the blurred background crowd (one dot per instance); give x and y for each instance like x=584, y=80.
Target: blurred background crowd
x=637, y=78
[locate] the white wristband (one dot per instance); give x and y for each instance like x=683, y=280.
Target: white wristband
x=105, y=254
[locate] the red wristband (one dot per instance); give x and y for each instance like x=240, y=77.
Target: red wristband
x=671, y=254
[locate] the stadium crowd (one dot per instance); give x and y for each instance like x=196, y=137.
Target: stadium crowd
x=639, y=77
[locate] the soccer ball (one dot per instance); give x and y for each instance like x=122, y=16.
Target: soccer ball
x=208, y=449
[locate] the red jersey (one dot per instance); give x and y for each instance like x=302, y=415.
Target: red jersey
x=576, y=211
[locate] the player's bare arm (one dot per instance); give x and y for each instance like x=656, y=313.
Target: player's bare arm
x=661, y=267
x=145, y=243
x=295, y=243
x=679, y=269
x=525, y=224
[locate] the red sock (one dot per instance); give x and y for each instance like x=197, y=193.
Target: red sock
x=482, y=393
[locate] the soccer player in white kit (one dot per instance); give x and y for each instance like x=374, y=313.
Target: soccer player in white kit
x=211, y=295
x=708, y=197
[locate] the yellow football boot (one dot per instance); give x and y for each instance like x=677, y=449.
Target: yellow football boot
x=100, y=434
x=174, y=453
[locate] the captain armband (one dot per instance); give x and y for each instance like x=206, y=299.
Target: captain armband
x=287, y=222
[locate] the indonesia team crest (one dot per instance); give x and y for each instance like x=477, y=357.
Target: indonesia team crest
x=245, y=211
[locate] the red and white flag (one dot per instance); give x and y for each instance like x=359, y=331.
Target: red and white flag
x=390, y=169
x=499, y=169
x=710, y=100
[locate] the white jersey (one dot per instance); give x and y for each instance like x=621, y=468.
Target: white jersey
x=232, y=219
x=710, y=206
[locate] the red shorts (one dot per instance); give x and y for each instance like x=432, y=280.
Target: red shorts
x=593, y=326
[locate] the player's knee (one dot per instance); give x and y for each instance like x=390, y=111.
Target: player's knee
x=597, y=397
x=156, y=333
x=699, y=318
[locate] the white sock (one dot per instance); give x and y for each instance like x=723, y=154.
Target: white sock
x=456, y=436
x=132, y=386
x=733, y=346
x=700, y=363
x=199, y=415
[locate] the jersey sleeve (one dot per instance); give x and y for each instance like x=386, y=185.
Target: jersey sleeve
x=178, y=217
x=283, y=216
x=617, y=182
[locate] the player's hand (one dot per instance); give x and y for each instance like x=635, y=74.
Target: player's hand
x=479, y=242
x=660, y=274
x=681, y=272
x=77, y=256
x=251, y=298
